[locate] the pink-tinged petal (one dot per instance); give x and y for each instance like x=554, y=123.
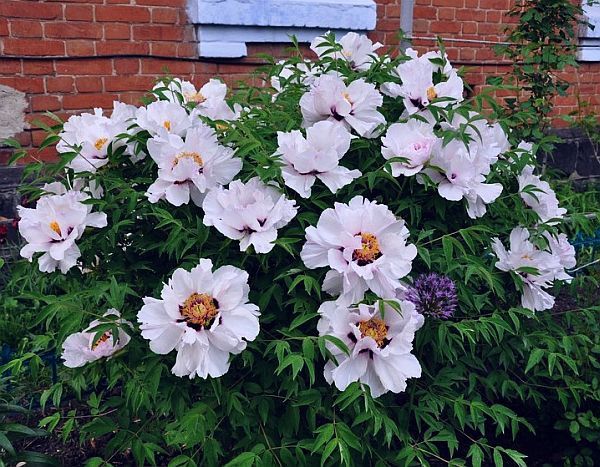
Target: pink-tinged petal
x=450, y=191
x=338, y=178
x=170, y=336
x=350, y=370
x=394, y=371
x=241, y=323
x=178, y=194
x=74, y=350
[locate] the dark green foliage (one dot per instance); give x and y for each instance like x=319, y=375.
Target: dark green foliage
x=492, y=375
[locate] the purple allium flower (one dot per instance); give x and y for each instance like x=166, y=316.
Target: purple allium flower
x=433, y=295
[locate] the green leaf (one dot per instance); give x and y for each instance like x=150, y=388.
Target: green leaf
x=245, y=459
x=534, y=358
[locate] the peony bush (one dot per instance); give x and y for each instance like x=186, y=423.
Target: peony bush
x=350, y=264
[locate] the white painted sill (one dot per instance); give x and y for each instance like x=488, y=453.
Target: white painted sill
x=590, y=38
x=224, y=27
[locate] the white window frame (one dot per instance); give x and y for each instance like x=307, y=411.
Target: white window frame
x=590, y=38
x=224, y=27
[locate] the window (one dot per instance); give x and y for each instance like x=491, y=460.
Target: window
x=590, y=38
x=223, y=27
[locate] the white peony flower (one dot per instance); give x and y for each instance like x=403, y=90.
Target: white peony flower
x=365, y=246
x=163, y=117
x=83, y=347
x=316, y=156
x=380, y=345
x=188, y=169
x=211, y=102
x=90, y=135
x=549, y=265
x=357, y=49
x=203, y=315
x=354, y=106
x=462, y=176
x=414, y=141
x=542, y=199
x=250, y=212
x=418, y=89
x=563, y=251
x=53, y=226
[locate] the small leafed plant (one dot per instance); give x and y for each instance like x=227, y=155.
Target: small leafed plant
x=351, y=264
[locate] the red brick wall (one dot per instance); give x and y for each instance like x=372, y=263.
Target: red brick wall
x=43, y=45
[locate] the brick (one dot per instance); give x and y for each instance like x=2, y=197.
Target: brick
x=127, y=66
x=421, y=25
x=79, y=12
x=133, y=98
x=128, y=83
x=32, y=85
x=494, y=4
x=31, y=47
x=205, y=68
x=446, y=13
x=92, y=66
x=37, y=67
x=10, y=67
x=494, y=16
x=163, y=49
x=45, y=103
x=469, y=28
x=73, y=30
x=467, y=54
x=187, y=50
x=25, y=28
x=117, y=31
x=452, y=3
x=4, y=27
x=25, y=9
x=165, y=15
x=166, y=66
x=88, y=84
x=157, y=33
x=122, y=47
x=392, y=11
x=388, y=25
x=46, y=155
x=24, y=138
x=485, y=29
x=470, y=15
x=171, y=3
x=80, y=48
x=60, y=84
x=129, y=14
x=445, y=27
x=88, y=101
x=233, y=68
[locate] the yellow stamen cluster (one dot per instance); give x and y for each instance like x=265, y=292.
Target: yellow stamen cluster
x=100, y=142
x=369, y=251
x=346, y=96
x=167, y=125
x=196, y=97
x=199, y=310
x=374, y=328
x=188, y=155
x=54, y=226
x=431, y=94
